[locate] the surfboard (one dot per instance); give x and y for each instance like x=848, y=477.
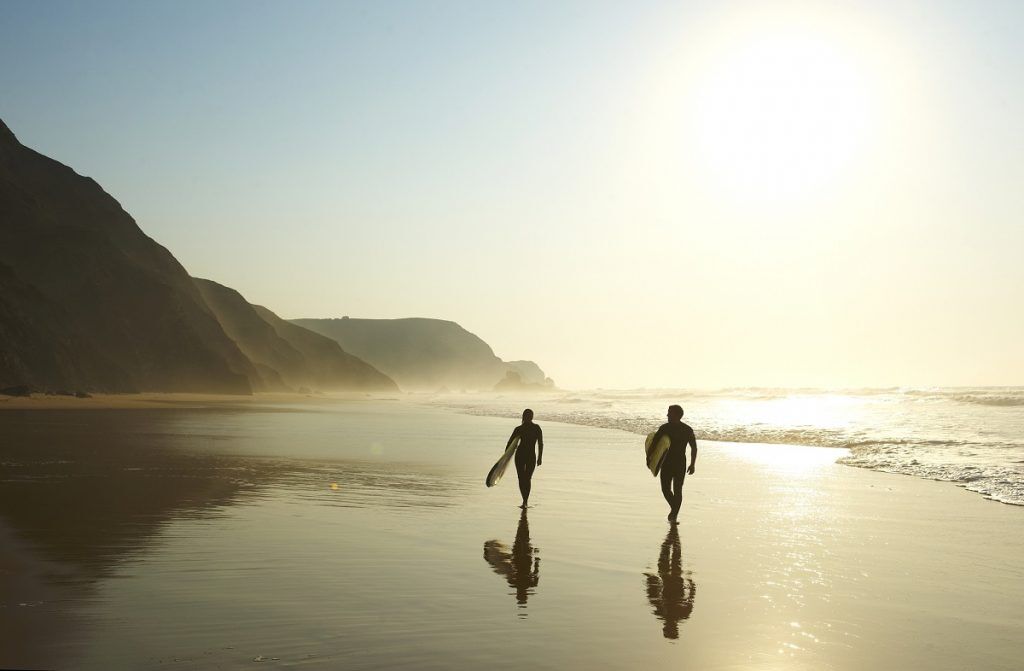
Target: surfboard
x=656, y=453
x=498, y=469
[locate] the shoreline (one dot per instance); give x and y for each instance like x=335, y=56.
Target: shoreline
x=840, y=451
x=293, y=401
x=185, y=400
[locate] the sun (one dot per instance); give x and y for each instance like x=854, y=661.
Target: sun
x=779, y=112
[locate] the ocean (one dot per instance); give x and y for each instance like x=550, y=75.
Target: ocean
x=970, y=436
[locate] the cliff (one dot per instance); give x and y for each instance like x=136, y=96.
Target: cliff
x=423, y=353
x=89, y=300
x=287, y=356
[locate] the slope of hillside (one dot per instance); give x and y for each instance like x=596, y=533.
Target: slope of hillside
x=96, y=302
x=35, y=347
x=287, y=356
x=89, y=302
x=421, y=353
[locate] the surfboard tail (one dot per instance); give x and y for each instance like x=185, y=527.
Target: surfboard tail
x=498, y=469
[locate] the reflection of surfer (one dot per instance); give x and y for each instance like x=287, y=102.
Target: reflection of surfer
x=521, y=568
x=671, y=595
x=673, y=467
x=527, y=459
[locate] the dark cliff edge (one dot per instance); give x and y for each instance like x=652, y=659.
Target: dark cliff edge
x=88, y=300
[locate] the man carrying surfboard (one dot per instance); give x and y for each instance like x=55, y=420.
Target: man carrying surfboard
x=529, y=454
x=673, y=464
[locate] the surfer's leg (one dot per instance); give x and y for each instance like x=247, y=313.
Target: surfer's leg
x=672, y=490
x=677, y=492
x=525, y=471
x=666, y=489
x=524, y=487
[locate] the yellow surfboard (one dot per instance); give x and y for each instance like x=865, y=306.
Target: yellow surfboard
x=656, y=453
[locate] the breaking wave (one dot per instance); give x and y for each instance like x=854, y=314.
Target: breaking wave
x=970, y=436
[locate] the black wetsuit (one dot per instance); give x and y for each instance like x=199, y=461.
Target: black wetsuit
x=530, y=437
x=673, y=467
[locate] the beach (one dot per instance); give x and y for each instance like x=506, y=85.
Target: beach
x=316, y=532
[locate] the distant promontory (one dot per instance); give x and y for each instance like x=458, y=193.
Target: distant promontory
x=427, y=354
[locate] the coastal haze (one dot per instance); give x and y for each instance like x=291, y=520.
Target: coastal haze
x=278, y=281
x=700, y=195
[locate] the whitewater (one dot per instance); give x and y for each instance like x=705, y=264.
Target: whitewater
x=973, y=437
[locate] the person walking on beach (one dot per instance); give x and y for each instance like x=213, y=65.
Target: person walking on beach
x=529, y=454
x=673, y=467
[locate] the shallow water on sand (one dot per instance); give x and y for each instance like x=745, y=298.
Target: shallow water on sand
x=361, y=536
x=973, y=437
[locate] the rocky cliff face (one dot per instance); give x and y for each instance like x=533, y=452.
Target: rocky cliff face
x=97, y=303
x=88, y=301
x=423, y=353
x=36, y=348
x=287, y=357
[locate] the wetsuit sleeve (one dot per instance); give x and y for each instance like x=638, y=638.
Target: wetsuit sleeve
x=515, y=432
x=692, y=439
x=540, y=444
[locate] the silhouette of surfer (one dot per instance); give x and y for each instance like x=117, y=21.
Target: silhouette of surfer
x=521, y=567
x=529, y=454
x=671, y=595
x=673, y=466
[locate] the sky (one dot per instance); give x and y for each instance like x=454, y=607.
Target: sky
x=641, y=194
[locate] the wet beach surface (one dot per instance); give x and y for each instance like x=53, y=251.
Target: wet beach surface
x=360, y=535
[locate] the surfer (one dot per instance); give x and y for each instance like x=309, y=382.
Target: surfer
x=527, y=458
x=673, y=468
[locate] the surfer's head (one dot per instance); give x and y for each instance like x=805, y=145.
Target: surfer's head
x=675, y=413
x=527, y=416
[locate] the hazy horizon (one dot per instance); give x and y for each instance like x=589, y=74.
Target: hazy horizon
x=647, y=196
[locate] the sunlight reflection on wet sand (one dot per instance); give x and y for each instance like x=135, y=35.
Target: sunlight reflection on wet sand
x=289, y=538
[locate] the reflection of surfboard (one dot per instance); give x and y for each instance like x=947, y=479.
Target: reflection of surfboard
x=498, y=469
x=656, y=454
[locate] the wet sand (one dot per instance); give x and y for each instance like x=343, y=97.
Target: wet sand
x=359, y=534
x=155, y=400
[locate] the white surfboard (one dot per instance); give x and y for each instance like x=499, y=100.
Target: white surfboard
x=499, y=467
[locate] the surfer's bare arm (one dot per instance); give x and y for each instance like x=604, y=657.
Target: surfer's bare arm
x=540, y=446
x=515, y=432
x=693, y=452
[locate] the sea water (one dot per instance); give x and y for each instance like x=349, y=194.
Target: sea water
x=973, y=437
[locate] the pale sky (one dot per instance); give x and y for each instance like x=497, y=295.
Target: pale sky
x=633, y=194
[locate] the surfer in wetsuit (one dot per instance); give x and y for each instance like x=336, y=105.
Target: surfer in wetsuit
x=527, y=458
x=673, y=467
